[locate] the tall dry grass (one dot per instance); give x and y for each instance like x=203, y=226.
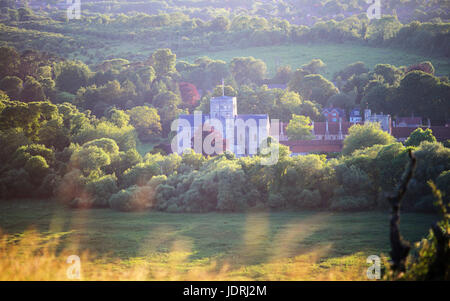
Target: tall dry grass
x=40, y=256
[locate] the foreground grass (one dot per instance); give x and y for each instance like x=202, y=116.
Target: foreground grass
x=162, y=246
x=335, y=56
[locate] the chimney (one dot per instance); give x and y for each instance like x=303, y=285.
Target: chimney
x=327, y=134
x=429, y=123
x=223, y=87
x=313, y=128
x=367, y=114
x=340, y=128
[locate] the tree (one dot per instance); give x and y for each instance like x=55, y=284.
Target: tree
x=426, y=67
x=165, y=99
x=9, y=61
x=228, y=90
x=146, y=121
x=90, y=159
x=363, y=136
x=378, y=98
x=247, y=70
x=163, y=61
x=189, y=94
x=106, y=144
x=343, y=100
x=390, y=73
x=296, y=79
x=314, y=66
x=32, y=90
x=352, y=69
x=418, y=136
x=299, y=128
x=315, y=87
x=12, y=85
x=119, y=117
x=283, y=75
x=37, y=168
x=71, y=75
x=423, y=94
x=220, y=24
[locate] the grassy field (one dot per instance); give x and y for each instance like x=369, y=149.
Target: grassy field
x=162, y=246
x=335, y=56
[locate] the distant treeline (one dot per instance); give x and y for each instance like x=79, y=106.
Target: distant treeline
x=186, y=34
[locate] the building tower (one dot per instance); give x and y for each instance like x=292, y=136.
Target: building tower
x=223, y=107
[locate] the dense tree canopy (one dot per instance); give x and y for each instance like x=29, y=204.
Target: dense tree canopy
x=363, y=136
x=299, y=128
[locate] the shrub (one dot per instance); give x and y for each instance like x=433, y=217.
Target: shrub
x=309, y=199
x=90, y=159
x=15, y=183
x=106, y=144
x=139, y=174
x=351, y=203
x=48, y=185
x=367, y=135
x=25, y=152
x=443, y=184
x=37, y=168
x=276, y=201
x=132, y=199
x=71, y=186
x=418, y=136
x=100, y=190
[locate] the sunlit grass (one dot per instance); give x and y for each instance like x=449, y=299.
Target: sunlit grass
x=335, y=56
x=161, y=246
x=33, y=256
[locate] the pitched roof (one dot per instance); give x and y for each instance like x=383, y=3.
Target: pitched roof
x=409, y=120
x=310, y=146
x=339, y=110
x=355, y=113
x=333, y=128
x=441, y=133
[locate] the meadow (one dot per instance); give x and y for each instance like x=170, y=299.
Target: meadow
x=39, y=235
x=335, y=56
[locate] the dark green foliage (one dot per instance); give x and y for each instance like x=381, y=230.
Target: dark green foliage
x=13, y=86
x=420, y=135
x=24, y=153
x=362, y=136
x=310, y=199
x=352, y=69
x=32, y=90
x=137, y=197
x=247, y=70
x=15, y=183
x=37, y=168
x=70, y=76
x=314, y=87
x=101, y=189
x=431, y=261
x=443, y=184
x=139, y=174
x=90, y=159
